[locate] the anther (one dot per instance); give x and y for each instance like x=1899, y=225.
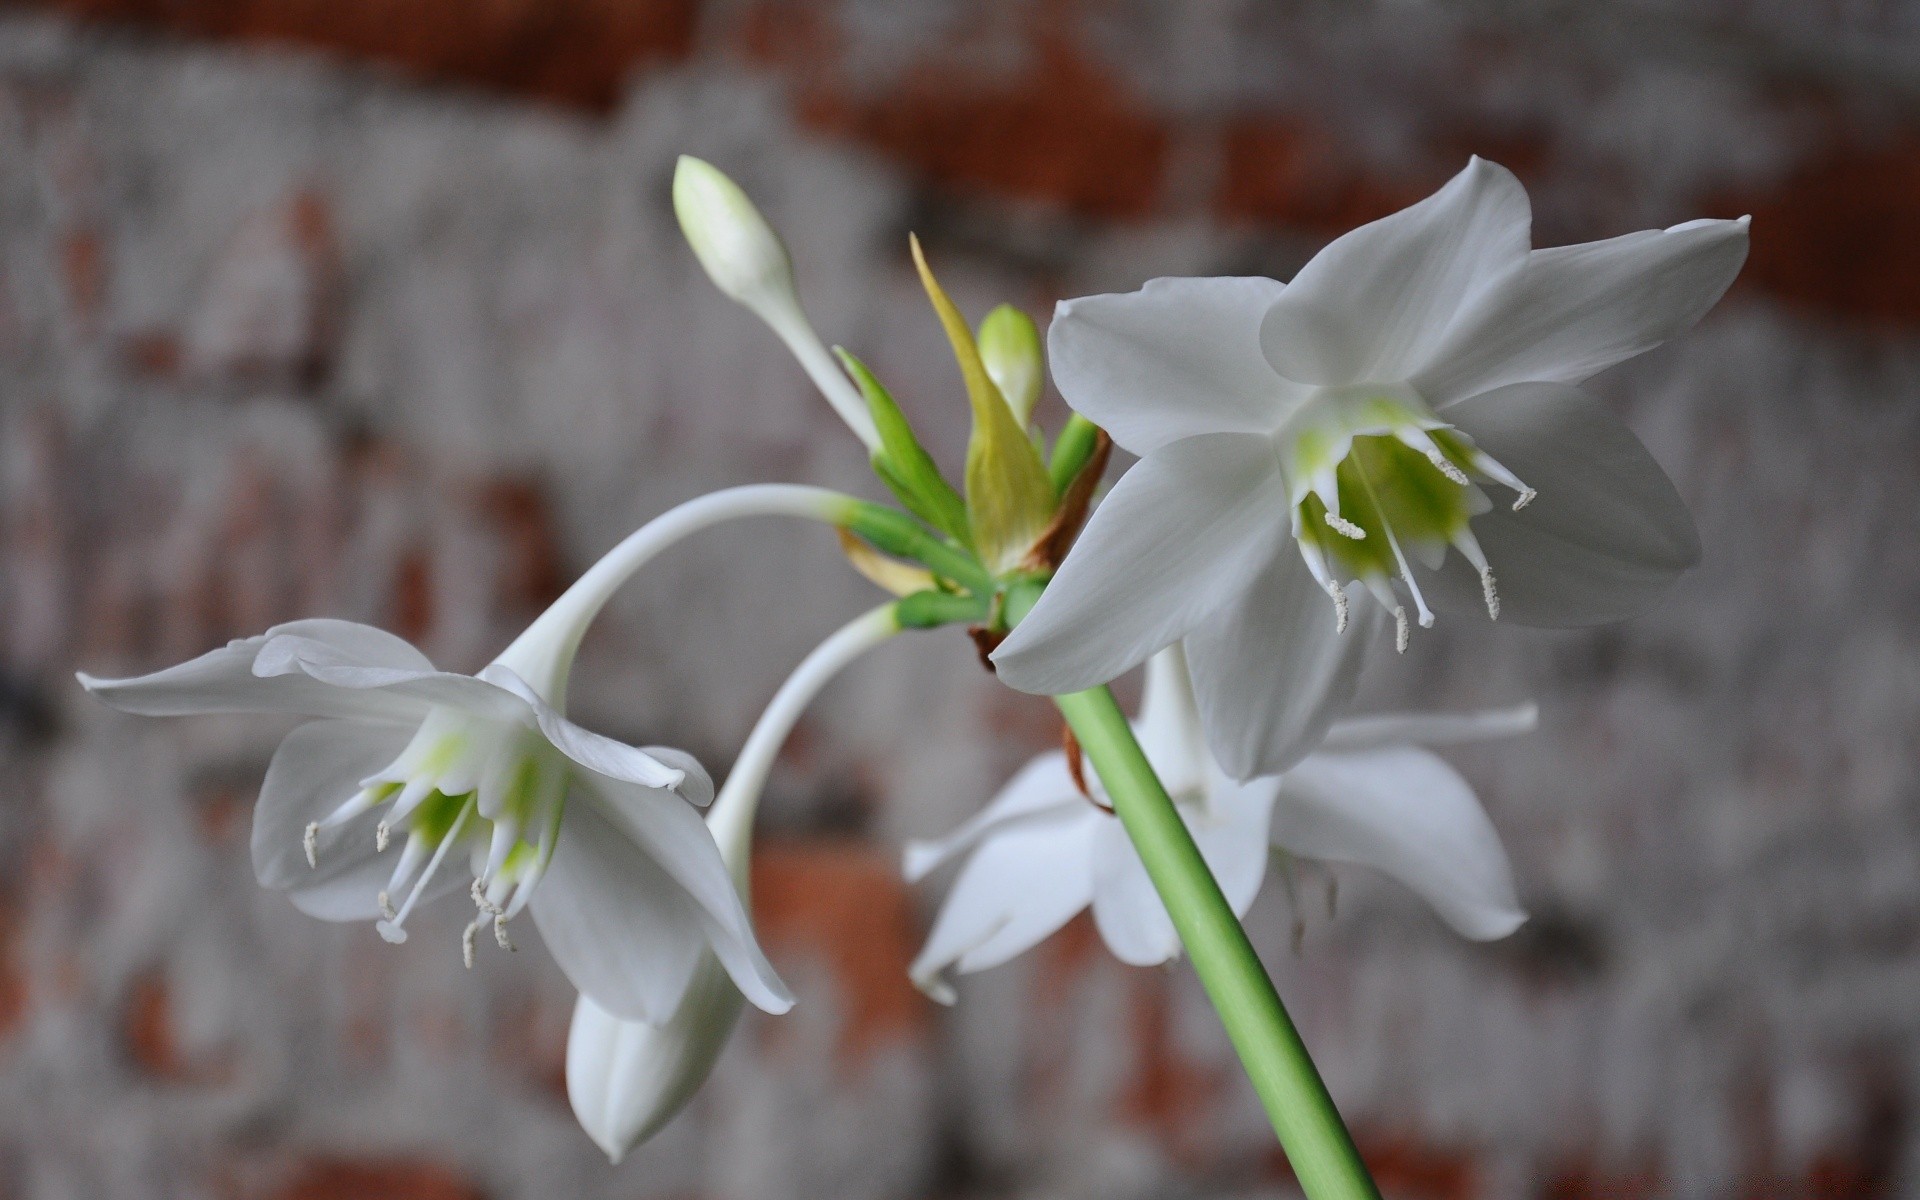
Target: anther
x=386, y=906
x=1448, y=467
x=1345, y=528
x=310, y=842
x=1492, y=594
x=1401, y=634
x=1339, y=595
x=466, y=943
x=381, y=835
x=500, y=931
x=1526, y=498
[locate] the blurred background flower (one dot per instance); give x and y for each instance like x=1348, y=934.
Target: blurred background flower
x=380, y=311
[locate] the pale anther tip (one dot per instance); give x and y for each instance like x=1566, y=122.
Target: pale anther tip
x=310, y=842
x=1525, y=499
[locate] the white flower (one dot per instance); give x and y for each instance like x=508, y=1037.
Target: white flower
x=1042, y=851
x=482, y=781
x=1344, y=428
x=627, y=1079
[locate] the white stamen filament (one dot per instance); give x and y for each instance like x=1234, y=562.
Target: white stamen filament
x=390, y=928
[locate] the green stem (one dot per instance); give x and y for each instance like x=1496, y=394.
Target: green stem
x=1311, y=1132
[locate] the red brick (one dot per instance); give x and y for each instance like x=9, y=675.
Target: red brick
x=391, y=1179
x=844, y=904
x=578, y=53
x=1167, y=1090
x=1282, y=171
x=147, y=1035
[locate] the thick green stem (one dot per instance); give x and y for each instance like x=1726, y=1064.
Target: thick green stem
x=1303, y=1115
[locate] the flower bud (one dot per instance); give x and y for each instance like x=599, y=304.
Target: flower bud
x=741, y=253
x=1010, y=348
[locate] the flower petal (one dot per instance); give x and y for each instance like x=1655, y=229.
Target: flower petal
x=1041, y=786
x=1271, y=672
x=669, y=831
x=1178, y=537
x=1126, y=908
x=1233, y=836
x=1177, y=358
x=1575, y=310
x=226, y=680
x=1374, y=305
x=624, y=931
x=1025, y=881
x=601, y=754
x=317, y=768
x=1408, y=814
x=1607, y=532
x=287, y=656
x=1377, y=730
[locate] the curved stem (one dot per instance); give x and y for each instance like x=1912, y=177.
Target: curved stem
x=731, y=817
x=1296, y=1100
x=543, y=655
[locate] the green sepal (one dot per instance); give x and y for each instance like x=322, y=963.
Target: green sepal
x=925, y=610
x=1021, y=594
x=902, y=463
x=1071, y=452
x=1010, y=498
x=894, y=532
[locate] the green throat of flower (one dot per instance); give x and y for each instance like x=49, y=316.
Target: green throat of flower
x=463, y=785
x=1378, y=481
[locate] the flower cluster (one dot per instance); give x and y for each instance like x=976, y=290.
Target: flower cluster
x=1395, y=433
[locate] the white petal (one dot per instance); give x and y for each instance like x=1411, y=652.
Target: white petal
x=1607, y=532
x=627, y=1079
x=1373, y=305
x=1024, y=882
x=1179, y=536
x=621, y=928
x=602, y=754
x=1126, y=908
x=1041, y=786
x=1177, y=358
x=225, y=680
x=1377, y=730
x=674, y=836
x=1576, y=310
x=1271, y=672
x=290, y=657
x=1408, y=814
x=317, y=769
x=1168, y=728
x=1233, y=836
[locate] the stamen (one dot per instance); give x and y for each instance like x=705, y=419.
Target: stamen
x=1491, y=593
x=1447, y=467
x=310, y=842
x=381, y=834
x=1487, y=465
x=1399, y=558
x=500, y=932
x=1345, y=528
x=390, y=928
x=466, y=942
x=1526, y=498
x=1339, y=595
x=386, y=906
x=1400, y=633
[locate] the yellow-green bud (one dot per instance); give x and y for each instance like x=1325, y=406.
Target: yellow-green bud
x=1010, y=348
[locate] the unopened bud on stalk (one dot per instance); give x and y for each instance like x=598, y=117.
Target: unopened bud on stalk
x=1010, y=348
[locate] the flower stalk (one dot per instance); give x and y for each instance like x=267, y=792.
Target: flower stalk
x=1311, y=1132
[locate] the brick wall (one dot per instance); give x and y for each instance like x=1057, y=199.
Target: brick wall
x=379, y=311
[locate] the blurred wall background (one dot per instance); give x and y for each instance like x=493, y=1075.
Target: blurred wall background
x=378, y=310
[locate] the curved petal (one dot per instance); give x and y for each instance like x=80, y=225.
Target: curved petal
x=1233, y=836
x=1575, y=310
x=1378, y=730
x=1039, y=787
x=621, y=928
x=1607, y=532
x=1373, y=306
x=1177, y=358
x=317, y=769
x=1025, y=881
x=1408, y=814
x=1126, y=908
x=1178, y=537
x=1168, y=727
x=291, y=657
x=672, y=834
x=601, y=754
x=1270, y=672
x=229, y=680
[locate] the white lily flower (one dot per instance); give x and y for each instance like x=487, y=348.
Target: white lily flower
x=1042, y=850
x=1344, y=429
x=483, y=780
x=627, y=1079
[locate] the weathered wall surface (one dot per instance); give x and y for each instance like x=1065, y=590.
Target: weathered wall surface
x=284, y=333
